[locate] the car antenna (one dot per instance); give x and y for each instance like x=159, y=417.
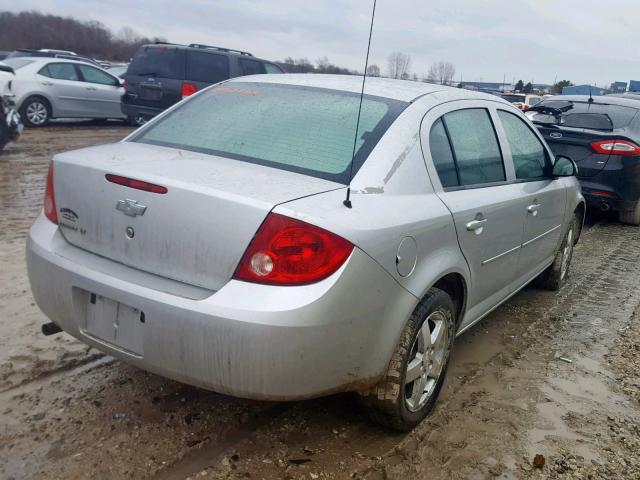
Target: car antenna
x=347, y=201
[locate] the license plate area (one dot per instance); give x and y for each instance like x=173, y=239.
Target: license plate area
x=115, y=323
x=150, y=93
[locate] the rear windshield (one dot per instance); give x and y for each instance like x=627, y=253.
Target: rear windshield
x=513, y=98
x=161, y=61
x=17, y=63
x=592, y=116
x=301, y=129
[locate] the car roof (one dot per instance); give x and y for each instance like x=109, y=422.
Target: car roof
x=600, y=100
x=42, y=60
x=199, y=47
x=403, y=90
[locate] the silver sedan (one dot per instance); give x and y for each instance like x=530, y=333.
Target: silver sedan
x=216, y=246
x=49, y=88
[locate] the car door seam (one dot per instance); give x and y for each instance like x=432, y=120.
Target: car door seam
x=529, y=242
x=503, y=254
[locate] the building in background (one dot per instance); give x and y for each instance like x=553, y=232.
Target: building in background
x=618, y=87
x=634, y=86
x=584, y=90
x=542, y=88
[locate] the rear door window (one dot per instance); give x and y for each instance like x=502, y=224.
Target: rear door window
x=475, y=147
x=207, y=67
x=529, y=155
x=160, y=61
x=93, y=75
x=61, y=71
x=442, y=155
x=252, y=67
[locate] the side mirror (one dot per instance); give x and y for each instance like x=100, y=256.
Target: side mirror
x=564, y=167
x=120, y=82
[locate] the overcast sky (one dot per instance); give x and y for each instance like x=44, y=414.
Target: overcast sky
x=537, y=40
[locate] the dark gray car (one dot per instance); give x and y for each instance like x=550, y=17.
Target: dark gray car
x=162, y=74
x=602, y=135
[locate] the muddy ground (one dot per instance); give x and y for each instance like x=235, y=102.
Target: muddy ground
x=546, y=373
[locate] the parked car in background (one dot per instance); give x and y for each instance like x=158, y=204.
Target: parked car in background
x=602, y=135
x=47, y=88
x=522, y=101
x=10, y=124
x=162, y=74
x=48, y=52
x=118, y=70
x=213, y=245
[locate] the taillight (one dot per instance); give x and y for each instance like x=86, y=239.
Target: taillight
x=188, y=89
x=125, y=84
x=137, y=184
x=50, y=198
x=286, y=251
x=616, y=147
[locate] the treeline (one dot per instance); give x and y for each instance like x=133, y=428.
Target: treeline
x=91, y=38
x=322, y=65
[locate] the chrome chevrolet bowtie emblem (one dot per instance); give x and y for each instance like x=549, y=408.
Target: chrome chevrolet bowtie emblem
x=131, y=207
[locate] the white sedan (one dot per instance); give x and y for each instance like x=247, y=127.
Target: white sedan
x=49, y=88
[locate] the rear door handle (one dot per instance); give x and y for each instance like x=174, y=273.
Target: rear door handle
x=533, y=208
x=91, y=88
x=476, y=225
x=47, y=84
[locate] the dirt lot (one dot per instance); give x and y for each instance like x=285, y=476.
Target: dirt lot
x=68, y=412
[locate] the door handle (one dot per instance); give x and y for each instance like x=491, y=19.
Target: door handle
x=533, y=208
x=47, y=84
x=476, y=225
x=91, y=88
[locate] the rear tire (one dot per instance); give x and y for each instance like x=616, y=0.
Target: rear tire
x=554, y=277
x=35, y=112
x=416, y=372
x=631, y=217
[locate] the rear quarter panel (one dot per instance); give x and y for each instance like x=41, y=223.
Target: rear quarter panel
x=392, y=199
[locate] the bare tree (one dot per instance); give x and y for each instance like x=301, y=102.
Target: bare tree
x=442, y=73
x=128, y=35
x=399, y=64
x=373, y=70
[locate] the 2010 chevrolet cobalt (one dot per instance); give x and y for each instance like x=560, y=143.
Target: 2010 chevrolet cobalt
x=213, y=245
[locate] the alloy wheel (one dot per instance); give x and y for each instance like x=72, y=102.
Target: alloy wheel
x=37, y=113
x=429, y=354
x=566, y=254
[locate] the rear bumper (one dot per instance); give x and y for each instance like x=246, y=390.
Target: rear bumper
x=133, y=110
x=615, y=187
x=605, y=197
x=246, y=340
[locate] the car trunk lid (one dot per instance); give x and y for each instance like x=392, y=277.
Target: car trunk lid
x=575, y=143
x=195, y=233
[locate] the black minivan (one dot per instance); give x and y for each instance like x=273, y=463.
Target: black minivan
x=162, y=74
